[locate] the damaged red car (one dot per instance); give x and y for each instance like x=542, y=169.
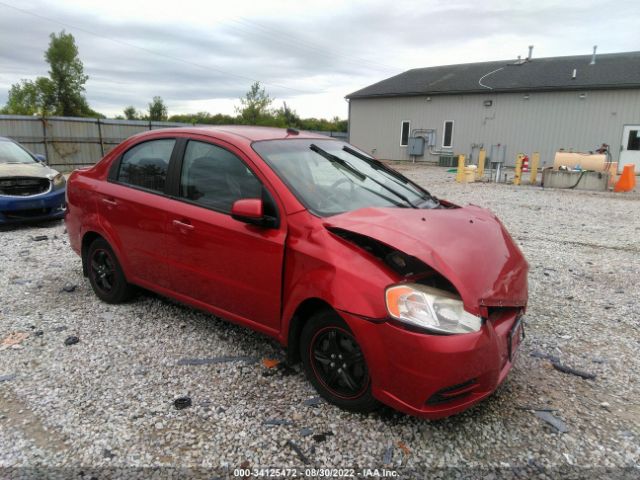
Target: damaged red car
x=383, y=292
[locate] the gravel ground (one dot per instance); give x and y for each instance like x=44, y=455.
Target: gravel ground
x=104, y=406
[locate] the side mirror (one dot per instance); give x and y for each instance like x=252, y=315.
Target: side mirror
x=248, y=210
x=41, y=158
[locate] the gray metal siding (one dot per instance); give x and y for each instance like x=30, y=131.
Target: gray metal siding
x=70, y=142
x=545, y=123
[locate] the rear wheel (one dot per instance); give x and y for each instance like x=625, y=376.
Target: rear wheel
x=105, y=274
x=335, y=364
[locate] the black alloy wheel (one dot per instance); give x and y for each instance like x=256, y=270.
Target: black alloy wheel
x=105, y=274
x=335, y=364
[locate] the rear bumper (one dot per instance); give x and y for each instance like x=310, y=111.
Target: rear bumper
x=48, y=206
x=434, y=376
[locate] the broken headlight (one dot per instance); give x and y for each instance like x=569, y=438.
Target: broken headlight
x=57, y=181
x=430, y=308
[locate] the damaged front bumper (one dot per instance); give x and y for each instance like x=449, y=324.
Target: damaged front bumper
x=435, y=376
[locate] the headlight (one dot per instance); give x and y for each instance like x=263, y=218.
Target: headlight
x=430, y=308
x=58, y=181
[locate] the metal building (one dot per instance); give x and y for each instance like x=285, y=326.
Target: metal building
x=574, y=103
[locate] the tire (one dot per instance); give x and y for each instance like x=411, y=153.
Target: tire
x=324, y=335
x=105, y=274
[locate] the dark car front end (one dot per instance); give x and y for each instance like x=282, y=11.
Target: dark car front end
x=29, y=190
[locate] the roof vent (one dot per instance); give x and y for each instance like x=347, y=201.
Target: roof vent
x=593, y=57
x=530, y=53
x=573, y=74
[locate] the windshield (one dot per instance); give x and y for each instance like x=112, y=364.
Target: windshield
x=331, y=177
x=13, y=153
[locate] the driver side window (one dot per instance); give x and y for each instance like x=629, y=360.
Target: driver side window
x=215, y=178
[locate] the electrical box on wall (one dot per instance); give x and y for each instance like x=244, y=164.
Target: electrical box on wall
x=416, y=146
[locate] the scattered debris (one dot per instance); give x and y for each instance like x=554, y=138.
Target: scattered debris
x=39, y=238
x=38, y=333
x=321, y=437
x=387, y=458
x=305, y=432
x=20, y=281
x=69, y=287
x=220, y=410
x=270, y=362
x=298, y=451
x=605, y=405
x=7, y=378
x=545, y=356
x=404, y=448
x=312, y=402
x=565, y=369
x=598, y=360
x=552, y=420
x=536, y=409
x=277, y=421
x=14, y=338
x=285, y=369
x=107, y=316
x=106, y=453
x=182, y=402
x=59, y=329
x=71, y=340
x=216, y=360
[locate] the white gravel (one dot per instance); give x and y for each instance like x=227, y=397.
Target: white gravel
x=105, y=405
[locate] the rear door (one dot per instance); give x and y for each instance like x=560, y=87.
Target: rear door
x=229, y=266
x=133, y=207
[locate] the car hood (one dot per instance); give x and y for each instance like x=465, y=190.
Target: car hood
x=26, y=170
x=469, y=246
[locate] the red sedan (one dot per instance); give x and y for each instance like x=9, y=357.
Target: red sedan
x=384, y=292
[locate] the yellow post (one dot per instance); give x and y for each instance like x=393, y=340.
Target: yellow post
x=481, y=158
x=518, y=174
x=535, y=161
x=460, y=175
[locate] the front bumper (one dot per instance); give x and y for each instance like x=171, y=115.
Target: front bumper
x=435, y=376
x=46, y=206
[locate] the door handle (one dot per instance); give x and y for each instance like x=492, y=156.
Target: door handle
x=109, y=202
x=183, y=225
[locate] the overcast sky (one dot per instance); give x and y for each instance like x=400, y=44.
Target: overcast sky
x=203, y=55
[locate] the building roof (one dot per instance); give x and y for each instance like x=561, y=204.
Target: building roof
x=610, y=71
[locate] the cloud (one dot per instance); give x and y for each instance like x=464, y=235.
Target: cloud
x=310, y=55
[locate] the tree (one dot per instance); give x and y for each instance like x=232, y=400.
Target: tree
x=254, y=106
x=157, y=110
x=31, y=97
x=67, y=74
x=62, y=93
x=287, y=117
x=131, y=113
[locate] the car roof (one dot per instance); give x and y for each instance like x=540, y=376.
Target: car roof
x=245, y=132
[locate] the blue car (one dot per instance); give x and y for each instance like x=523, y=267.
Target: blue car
x=29, y=190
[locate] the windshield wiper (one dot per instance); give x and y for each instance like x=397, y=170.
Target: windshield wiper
x=378, y=165
x=362, y=176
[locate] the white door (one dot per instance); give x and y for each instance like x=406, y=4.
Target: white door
x=630, y=148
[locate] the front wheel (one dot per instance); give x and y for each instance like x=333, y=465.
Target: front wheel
x=335, y=364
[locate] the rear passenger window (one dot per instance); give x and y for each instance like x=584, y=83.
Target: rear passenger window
x=146, y=164
x=215, y=178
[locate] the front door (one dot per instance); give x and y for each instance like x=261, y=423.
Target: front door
x=230, y=266
x=630, y=148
